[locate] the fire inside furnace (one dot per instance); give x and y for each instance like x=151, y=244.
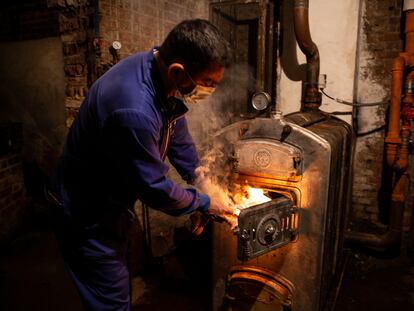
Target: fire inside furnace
x=250, y=197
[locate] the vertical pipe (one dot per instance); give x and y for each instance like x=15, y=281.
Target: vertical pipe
x=355, y=109
x=270, y=51
x=276, y=70
x=261, y=46
x=312, y=96
x=96, y=18
x=409, y=32
x=393, y=136
x=396, y=143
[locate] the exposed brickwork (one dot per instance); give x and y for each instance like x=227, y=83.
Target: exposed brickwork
x=137, y=24
x=28, y=20
x=77, y=34
x=367, y=177
x=381, y=41
x=69, y=19
x=140, y=25
x=12, y=194
x=381, y=26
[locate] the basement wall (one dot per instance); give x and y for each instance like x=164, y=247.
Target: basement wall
x=333, y=26
x=380, y=40
x=357, y=41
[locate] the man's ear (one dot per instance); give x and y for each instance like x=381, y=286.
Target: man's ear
x=176, y=72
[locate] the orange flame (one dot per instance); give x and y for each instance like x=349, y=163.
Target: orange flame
x=252, y=196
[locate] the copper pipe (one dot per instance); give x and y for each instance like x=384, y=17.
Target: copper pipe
x=393, y=137
x=402, y=163
x=409, y=32
x=397, y=144
x=312, y=96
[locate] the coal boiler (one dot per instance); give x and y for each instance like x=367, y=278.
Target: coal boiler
x=286, y=253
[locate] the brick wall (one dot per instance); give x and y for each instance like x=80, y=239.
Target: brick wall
x=27, y=20
x=76, y=28
x=380, y=42
x=140, y=25
x=87, y=36
x=12, y=194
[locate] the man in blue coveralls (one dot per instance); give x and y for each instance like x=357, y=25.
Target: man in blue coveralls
x=130, y=120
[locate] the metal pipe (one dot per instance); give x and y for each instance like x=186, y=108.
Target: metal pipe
x=312, y=96
x=393, y=235
x=402, y=163
x=393, y=136
x=261, y=47
x=397, y=144
x=409, y=32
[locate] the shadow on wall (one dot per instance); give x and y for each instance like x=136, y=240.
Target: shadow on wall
x=32, y=90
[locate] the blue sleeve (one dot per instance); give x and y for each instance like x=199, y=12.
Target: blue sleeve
x=131, y=140
x=182, y=152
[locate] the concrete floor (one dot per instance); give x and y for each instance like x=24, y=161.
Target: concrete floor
x=32, y=277
x=378, y=283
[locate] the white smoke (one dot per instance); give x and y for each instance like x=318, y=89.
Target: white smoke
x=207, y=121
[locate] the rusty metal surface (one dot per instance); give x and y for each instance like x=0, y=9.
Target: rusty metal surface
x=257, y=289
x=312, y=96
x=321, y=194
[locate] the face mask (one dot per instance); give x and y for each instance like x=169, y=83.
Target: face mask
x=199, y=92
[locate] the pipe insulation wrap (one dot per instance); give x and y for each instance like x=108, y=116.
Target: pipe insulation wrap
x=408, y=5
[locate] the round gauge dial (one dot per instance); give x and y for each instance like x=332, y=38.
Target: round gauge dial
x=116, y=45
x=260, y=101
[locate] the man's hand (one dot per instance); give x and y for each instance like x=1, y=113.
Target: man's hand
x=223, y=214
x=222, y=207
x=204, y=203
x=210, y=211
x=198, y=221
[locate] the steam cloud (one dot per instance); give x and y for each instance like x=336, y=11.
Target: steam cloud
x=207, y=122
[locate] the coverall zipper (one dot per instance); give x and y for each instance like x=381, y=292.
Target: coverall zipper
x=168, y=134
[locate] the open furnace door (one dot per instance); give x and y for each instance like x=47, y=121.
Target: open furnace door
x=265, y=227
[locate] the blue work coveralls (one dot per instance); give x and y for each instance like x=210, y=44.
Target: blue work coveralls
x=114, y=155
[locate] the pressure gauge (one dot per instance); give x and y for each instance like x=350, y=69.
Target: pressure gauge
x=260, y=101
x=116, y=45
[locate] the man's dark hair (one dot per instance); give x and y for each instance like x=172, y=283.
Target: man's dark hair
x=197, y=43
